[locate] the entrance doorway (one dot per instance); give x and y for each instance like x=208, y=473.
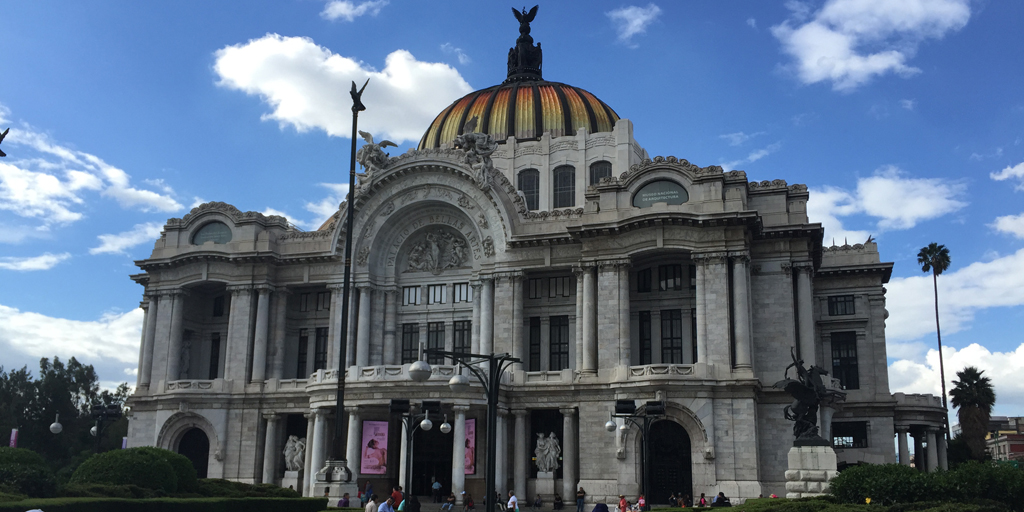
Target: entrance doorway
x=671, y=464
x=432, y=460
x=195, y=446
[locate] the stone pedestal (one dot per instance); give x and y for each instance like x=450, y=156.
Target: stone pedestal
x=810, y=469
x=329, y=481
x=292, y=480
x=545, y=486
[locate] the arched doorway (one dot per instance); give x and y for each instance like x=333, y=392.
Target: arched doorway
x=432, y=459
x=195, y=446
x=671, y=465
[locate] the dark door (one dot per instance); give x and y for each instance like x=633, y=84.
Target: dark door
x=431, y=460
x=671, y=467
x=195, y=446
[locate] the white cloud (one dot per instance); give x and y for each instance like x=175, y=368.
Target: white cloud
x=327, y=206
x=908, y=104
x=463, y=58
x=633, y=20
x=753, y=156
x=897, y=201
x=43, y=262
x=735, y=139
x=751, y=22
x=1015, y=172
x=306, y=86
x=114, y=335
x=42, y=195
x=1004, y=368
x=119, y=243
x=849, y=42
x=349, y=11
x=980, y=285
x=1010, y=224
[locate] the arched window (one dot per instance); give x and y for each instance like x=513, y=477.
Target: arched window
x=565, y=186
x=529, y=185
x=598, y=170
x=217, y=232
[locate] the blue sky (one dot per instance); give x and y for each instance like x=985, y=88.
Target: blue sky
x=906, y=120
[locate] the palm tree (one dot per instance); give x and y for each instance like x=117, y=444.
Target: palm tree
x=935, y=259
x=973, y=396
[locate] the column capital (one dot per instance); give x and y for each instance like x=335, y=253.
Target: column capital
x=283, y=291
x=709, y=258
x=363, y=287
x=144, y=304
x=613, y=265
x=173, y=292
x=786, y=267
x=335, y=286
x=931, y=430
x=352, y=409
x=475, y=285
x=902, y=429
x=743, y=256
x=271, y=416
x=806, y=267
x=460, y=408
x=485, y=279
x=584, y=268
x=236, y=289
x=567, y=411
x=320, y=413
x=520, y=413
x=508, y=274
x=264, y=288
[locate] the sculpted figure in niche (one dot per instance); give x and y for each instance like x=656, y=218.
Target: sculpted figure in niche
x=547, y=452
x=294, y=453
x=478, y=148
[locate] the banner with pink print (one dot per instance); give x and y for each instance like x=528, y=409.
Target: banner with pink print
x=470, y=447
x=374, y=457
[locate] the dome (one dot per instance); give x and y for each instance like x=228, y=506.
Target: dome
x=523, y=109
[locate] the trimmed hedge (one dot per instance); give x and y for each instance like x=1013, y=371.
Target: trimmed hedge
x=34, y=481
x=188, y=479
x=827, y=504
x=134, y=466
x=216, y=487
x=21, y=456
x=108, y=491
x=169, y=505
x=892, y=483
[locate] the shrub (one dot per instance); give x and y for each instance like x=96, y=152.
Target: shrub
x=226, y=488
x=128, y=467
x=169, y=505
x=34, y=481
x=20, y=456
x=884, y=484
x=188, y=480
x=986, y=480
x=107, y=491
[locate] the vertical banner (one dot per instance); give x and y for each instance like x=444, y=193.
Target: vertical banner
x=14, y=438
x=124, y=442
x=374, y=457
x=470, y=447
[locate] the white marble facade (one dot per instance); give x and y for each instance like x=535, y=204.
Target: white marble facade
x=697, y=304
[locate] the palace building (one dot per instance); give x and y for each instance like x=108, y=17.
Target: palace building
x=529, y=221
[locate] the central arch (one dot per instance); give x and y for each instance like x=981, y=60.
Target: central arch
x=195, y=446
x=671, y=464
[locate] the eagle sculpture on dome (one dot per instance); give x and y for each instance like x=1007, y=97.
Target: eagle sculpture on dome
x=372, y=156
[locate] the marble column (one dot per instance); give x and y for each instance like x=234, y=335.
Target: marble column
x=487, y=316
x=335, y=341
x=236, y=353
x=475, y=328
x=278, y=342
x=933, y=451
x=904, y=448
x=569, y=464
x=363, y=329
x=350, y=336
x=270, y=452
x=826, y=412
x=702, y=309
x=355, y=438
x=177, y=332
x=741, y=311
x=307, y=462
x=146, y=368
x=589, y=320
x=805, y=313
x=142, y=341
x=625, y=357
x=390, y=326
x=459, y=451
x=521, y=457
x=943, y=462
x=317, y=447
x=517, y=322
x=259, y=351
x=578, y=361
x=501, y=458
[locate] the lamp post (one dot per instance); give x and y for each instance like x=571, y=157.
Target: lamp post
x=491, y=382
x=653, y=411
x=416, y=421
x=101, y=413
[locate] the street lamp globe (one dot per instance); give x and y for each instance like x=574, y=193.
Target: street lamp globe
x=426, y=424
x=459, y=383
x=623, y=428
x=419, y=371
x=610, y=426
x=56, y=427
x=446, y=427
x=92, y=431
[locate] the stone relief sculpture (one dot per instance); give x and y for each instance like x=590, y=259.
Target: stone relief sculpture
x=808, y=392
x=294, y=453
x=547, y=451
x=478, y=148
x=372, y=156
x=488, y=247
x=439, y=250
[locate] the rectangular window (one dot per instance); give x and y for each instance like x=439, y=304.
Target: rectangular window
x=304, y=302
x=670, y=277
x=840, y=305
x=672, y=336
x=435, y=341
x=559, y=343
x=323, y=301
x=320, y=354
x=410, y=295
x=300, y=367
x=529, y=185
x=645, y=337
x=565, y=186
x=535, y=288
x=410, y=342
x=534, y=365
x=844, y=359
x=214, y=356
x=643, y=281
x=850, y=434
x=218, y=306
x=598, y=170
x=463, y=336
x=436, y=293
x=463, y=292
x=559, y=286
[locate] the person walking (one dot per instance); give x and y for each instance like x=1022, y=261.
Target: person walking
x=396, y=496
x=581, y=495
x=513, y=503
x=436, y=487
x=623, y=504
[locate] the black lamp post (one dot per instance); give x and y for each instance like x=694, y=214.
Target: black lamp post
x=101, y=413
x=653, y=411
x=490, y=379
x=416, y=421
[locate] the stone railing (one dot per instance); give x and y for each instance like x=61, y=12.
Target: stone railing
x=555, y=377
x=438, y=372
x=195, y=386
x=667, y=371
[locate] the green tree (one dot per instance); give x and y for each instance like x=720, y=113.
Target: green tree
x=973, y=396
x=935, y=259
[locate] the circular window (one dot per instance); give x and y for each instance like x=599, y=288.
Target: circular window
x=660, y=191
x=216, y=232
